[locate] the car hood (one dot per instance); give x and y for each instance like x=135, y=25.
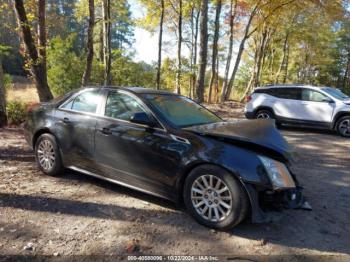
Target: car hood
x=259, y=135
x=347, y=101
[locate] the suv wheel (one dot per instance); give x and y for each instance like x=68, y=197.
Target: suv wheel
x=264, y=114
x=343, y=126
x=215, y=198
x=48, y=155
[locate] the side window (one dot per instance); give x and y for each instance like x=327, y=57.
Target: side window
x=311, y=95
x=85, y=102
x=287, y=93
x=122, y=106
x=68, y=105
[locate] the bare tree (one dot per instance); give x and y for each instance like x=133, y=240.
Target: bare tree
x=194, y=44
x=215, y=49
x=37, y=63
x=3, y=118
x=233, y=8
x=89, y=44
x=226, y=93
x=106, y=13
x=247, y=34
x=203, y=51
x=179, y=44
x=160, y=42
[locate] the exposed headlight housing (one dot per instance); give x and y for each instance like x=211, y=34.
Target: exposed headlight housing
x=278, y=173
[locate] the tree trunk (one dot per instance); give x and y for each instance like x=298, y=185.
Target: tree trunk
x=37, y=65
x=215, y=48
x=42, y=35
x=230, y=49
x=283, y=61
x=192, y=49
x=261, y=56
x=227, y=94
x=89, y=44
x=106, y=13
x=160, y=41
x=346, y=74
x=179, y=44
x=286, y=67
x=3, y=117
x=195, y=48
x=203, y=51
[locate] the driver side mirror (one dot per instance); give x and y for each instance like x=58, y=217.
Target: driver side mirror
x=143, y=119
x=328, y=100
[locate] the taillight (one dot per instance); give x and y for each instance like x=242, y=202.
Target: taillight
x=248, y=99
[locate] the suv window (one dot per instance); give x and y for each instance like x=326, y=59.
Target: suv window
x=122, y=106
x=85, y=102
x=311, y=95
x=287, y=93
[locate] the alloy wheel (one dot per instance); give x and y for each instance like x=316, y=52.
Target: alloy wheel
x=344, y=127
x=211, y=198
x=46, y=154
x=263, y=115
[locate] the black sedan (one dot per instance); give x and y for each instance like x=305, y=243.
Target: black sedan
x=169, y=146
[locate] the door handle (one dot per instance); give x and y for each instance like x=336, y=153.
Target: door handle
x=105, y=131
x=66, y=120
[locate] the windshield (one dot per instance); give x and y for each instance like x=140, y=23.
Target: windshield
x=181, y=111
x=336, y=93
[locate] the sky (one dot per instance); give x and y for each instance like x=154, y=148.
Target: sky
x=146, y=44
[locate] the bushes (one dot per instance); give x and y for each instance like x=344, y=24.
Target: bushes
x=64, y=66
x=16, y=112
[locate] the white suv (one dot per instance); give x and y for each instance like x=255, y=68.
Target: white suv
x=302, y=105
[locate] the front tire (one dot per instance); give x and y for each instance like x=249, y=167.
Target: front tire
x=48, y=156
x=215, y=198
x=343, y=126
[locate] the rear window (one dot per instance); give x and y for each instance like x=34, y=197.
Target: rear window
x=85, y=102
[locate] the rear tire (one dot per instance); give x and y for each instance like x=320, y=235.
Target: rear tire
x=264, y=114
x=267, y=114
x=343, y=126
x=220, y=206
x=48, y=156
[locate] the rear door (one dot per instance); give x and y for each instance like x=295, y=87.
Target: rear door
x=75, y=126
x=286, y=102
x=316, y=106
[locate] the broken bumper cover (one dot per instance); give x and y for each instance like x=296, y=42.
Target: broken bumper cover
x=266, y=204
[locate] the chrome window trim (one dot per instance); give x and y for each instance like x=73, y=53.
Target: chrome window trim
x=100, y=111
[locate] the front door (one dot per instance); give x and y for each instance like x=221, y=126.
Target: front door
x=316, y=106
x=132, y=153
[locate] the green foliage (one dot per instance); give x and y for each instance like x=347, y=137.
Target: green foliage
x=65, y=68
x=7, y=81
x=16, y=112
x=169, y=68
x=126, y=72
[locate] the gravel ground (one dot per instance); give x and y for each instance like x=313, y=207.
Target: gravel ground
x=77, y=215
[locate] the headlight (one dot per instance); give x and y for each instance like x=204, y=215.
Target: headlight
x=278, y=173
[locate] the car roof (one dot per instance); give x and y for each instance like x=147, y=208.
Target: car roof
x=290, y=85
x=136, y=90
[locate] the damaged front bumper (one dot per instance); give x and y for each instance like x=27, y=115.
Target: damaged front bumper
x=267, y=204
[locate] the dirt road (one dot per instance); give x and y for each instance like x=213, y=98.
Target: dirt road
x=79, y=215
